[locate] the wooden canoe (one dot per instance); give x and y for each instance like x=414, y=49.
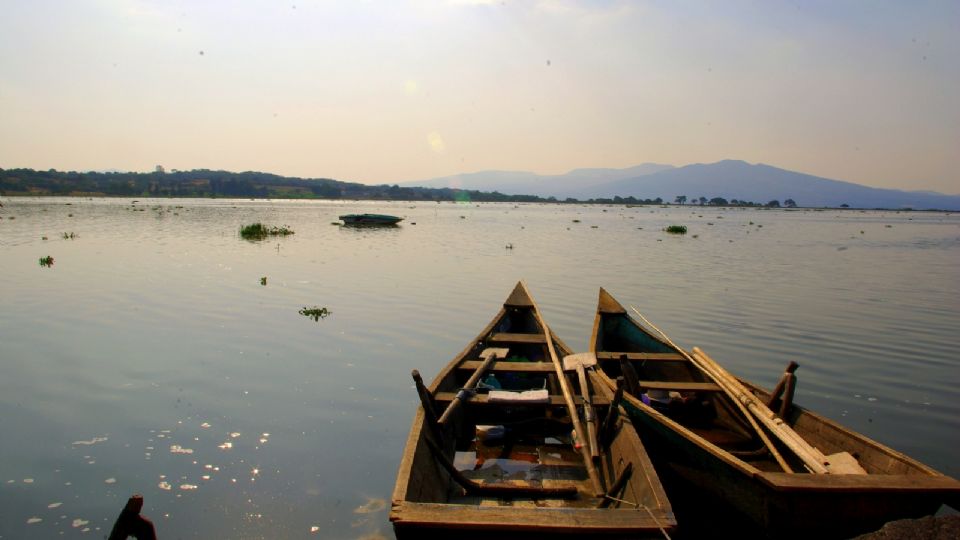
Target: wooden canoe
x=703, y=441
x=536, y=452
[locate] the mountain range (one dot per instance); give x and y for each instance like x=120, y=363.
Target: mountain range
x=729, y=179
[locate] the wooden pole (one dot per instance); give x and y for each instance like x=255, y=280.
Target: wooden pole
x=426, y=401
x=571, y=407
x=787, y=400
x=588, y=413
x=617, y=486
x=781, y=384
x=131, y=523
x=489, y=355
x=610, y=422
x=630, y=376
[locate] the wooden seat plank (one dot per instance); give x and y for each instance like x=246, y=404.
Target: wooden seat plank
x=527, y=367
x=481, y=399
x=681, y=386
x=505, y=337
x=658, y=357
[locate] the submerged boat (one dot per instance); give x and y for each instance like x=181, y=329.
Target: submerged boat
x=493, y=448
x=695, y=420
x=369, y=219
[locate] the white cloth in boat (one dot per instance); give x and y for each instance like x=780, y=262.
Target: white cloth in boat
x=527, y=396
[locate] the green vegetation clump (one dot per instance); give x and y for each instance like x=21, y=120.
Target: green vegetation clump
x=259, y=231
x=676, y=229
x=69, y=236
x=46, y=262
x=315, y=313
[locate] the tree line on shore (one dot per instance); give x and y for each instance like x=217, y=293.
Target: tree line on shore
x=209, y=183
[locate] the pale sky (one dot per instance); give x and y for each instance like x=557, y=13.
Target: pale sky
x=392, y=91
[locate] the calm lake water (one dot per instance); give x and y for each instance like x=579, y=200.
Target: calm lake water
x=150, y=358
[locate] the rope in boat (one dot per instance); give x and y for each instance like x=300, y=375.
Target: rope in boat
x=655, y=520
x=638, y=506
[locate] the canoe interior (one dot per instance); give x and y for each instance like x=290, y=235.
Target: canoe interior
x=710, y=447
x=536, y=450
x=710, y=414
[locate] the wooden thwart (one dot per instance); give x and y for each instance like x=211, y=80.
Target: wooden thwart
x=531, y=339
x=681, y=386
x=656, y=357
x=481, y=400
x=519, y=367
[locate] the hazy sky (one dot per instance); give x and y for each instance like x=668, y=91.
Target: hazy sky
x=390, y=91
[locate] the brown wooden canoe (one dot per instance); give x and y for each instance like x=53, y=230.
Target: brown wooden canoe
x=453, y=481
x=702, y=439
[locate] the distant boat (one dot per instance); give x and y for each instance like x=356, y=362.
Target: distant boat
x=369, y=219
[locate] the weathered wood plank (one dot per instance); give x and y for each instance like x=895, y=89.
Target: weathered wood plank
x=529, y=367
x=681, y=386
x=481, y=399
x=663, y=357
x=920, y=483
x=505, y=337
x=580, y=520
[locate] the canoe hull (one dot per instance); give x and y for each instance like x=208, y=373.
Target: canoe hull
x=370, y=219
x=769, y=501
x=775, y=504
x=427, y=502
x=415, y=519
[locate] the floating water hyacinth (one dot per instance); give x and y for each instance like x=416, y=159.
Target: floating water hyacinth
x=316, y=313
x=259, y=231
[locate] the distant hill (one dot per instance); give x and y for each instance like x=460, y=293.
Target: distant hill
x=761, y=183
x=556, y=185
x=207, y=183
x=728, y=179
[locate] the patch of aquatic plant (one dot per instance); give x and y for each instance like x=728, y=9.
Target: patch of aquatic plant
x=315, y=313
x=259, y=231
x=263, y=281
x=676, y=229
x=46, y=262
x=69, y=236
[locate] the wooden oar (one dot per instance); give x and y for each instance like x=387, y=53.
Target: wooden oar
x=811, y=457
x=580, y=362
x=571, y=407
x=743, y=409
x=489, y=356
